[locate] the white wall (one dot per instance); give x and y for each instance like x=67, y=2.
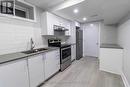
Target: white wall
x=15, y=34
x=108, y=34
x=124, y=41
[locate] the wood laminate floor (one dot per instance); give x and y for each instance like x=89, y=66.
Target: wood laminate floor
x=84, y=73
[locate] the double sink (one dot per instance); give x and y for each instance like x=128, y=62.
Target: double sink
x=34, y=50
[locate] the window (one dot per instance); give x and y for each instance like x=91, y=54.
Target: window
x=17, y=8
x=24, y=10
x=7, y=7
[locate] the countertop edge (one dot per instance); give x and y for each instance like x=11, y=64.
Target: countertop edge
x=111, y=46
x=18, y=55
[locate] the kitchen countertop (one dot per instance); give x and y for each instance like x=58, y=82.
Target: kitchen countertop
x=115, y=46
x=19, y=55
x=71, y=43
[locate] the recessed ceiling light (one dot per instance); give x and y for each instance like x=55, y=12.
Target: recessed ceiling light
x=91, y=25
x=84, y=19
x=76, y=11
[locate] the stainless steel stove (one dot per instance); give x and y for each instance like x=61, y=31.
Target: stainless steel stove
x=65, y=52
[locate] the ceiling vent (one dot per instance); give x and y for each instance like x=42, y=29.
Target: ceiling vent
x=94, y=15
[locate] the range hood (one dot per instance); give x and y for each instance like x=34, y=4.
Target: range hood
x=60, y=28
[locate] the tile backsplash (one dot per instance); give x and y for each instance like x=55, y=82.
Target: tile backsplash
x=15, y=34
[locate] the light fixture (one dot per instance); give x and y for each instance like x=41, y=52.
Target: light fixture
x=84, y=19
x=65, y=4
x=75, y=10
x=91, y=25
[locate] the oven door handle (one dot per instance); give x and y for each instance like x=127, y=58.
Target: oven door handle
x=65, y=48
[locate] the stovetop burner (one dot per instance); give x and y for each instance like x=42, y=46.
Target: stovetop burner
x=57, y=43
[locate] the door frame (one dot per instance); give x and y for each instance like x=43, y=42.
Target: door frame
x=99, y=29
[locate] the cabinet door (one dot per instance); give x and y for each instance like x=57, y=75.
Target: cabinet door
x=36, y=70
x=14, y=74
x=67, y=26
x=51, y=21
x=50, y=24
x=73, y=52
x=57, y=60
x=52, y=63
x=48, y=21
x=73, y=33
x=111, y=60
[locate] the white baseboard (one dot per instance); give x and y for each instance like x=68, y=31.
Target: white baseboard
x=125, y=81
x=109, y=71
x=73, y=60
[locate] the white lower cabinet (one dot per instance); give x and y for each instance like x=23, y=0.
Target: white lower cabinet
x=52, y=63
x=111, y=60
x=43, y=66
x=14, y=74
x=73, y=52
x=30, y=72
x=36, y=70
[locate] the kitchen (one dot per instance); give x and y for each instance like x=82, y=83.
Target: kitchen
x=35, y=35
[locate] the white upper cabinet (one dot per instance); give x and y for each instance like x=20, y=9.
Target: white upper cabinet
x=67, y=25
x=77, y=24
x=14, y=74
x=73, y=33
x=72, y=38
x=48, y=20
x=36, y=70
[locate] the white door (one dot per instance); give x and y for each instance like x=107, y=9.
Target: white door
x=36, y=70
x=91, y=39
x=14, y=74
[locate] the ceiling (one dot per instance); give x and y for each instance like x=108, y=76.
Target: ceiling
x=111, y=11
x=45, y=4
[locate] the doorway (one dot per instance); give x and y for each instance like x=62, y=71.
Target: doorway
x=91, y=39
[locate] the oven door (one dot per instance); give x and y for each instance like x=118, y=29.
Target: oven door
x=65, y=54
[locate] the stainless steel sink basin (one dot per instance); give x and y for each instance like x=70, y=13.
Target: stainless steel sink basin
x=41, y=49
x=34, y=51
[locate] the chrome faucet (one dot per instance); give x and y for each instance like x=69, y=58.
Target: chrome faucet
x=32, y=45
